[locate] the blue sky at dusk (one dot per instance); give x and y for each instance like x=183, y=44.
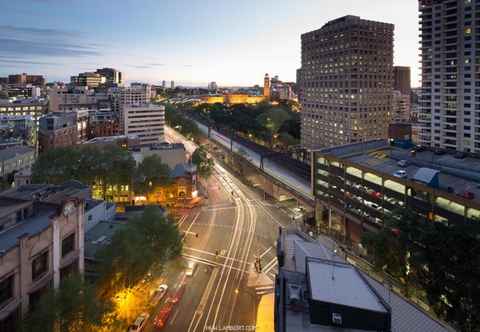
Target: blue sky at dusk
x=192, y=42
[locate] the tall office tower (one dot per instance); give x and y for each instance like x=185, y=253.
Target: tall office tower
x=112, y=76
x=266, y=86
x=449, y=104
x=345, y=82
x=172, y=85
x=402, y=80
x=164, y=84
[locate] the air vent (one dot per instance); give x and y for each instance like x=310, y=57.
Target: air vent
x=336, y=319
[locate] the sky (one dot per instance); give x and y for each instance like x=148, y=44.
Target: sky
x=192, y=42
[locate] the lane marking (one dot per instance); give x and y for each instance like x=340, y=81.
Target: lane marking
x=265, y=252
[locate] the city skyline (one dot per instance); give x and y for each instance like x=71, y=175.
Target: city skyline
x=180, y=40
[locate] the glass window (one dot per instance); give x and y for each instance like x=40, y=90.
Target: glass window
x=40, y=266
x=68, y=244
x=395, y=186
x=321, y=161
x=354, y=171
x=473, y=214
x=6, y=289
x=370, y=177
x=450, y=206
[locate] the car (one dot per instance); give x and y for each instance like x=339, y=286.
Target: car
x=159, y=293
x=178, y=295
x=402, y=163
x=163, y=315
x=190, y=268
x=400, y=174
x=139, y=323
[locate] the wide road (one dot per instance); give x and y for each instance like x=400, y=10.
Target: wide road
x=223, y=237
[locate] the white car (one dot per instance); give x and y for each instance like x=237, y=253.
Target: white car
x=139, y=323
x=159, y=293
x=400, y=174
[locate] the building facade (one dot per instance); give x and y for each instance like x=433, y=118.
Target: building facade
x=402, y=107
x=450, y=98
x=92, y=80
x=266, y=86
x=402, y=79
x=58, y=130
x=112, y=76
x=41, y=243
x=357, y=186
x=146, y=121
x=345, y=82
x=15, y=159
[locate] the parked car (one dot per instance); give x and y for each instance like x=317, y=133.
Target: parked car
x=159, y=294
x=139, y=323
x=163, y=315
x=400, y=174
x=402, y=163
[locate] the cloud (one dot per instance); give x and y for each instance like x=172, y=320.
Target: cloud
x=188, y=65
x=14, y=31
x=6, y=61
x=147, y=66
x=20, y=47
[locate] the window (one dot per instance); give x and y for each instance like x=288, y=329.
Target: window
x=6, y=289
x=68, y=244
x=40, y=265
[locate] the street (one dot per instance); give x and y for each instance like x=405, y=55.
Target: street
x=223, y=237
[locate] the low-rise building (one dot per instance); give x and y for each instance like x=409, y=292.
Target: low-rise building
x=316, y=290
x=171, y=154
x=15, y=159
x=41, y=242
x=58, y=130
x=358, y=185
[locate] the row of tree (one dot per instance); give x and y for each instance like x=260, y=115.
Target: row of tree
x=144, y=245
x=273, y=125
x=442, y=260
x=175, y=119
x=104, y=165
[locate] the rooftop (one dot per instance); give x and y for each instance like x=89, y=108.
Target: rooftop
x=49, y=193
x=10, y=153
x=30, y=226
x=454, y=175
x=350, y=287
x=101, y=235
x=336, y=282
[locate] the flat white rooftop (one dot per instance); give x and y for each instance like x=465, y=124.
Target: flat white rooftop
x=340, y=283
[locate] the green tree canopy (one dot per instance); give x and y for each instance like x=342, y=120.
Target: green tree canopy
x=203, y=162
x=73, y=307
x=150, y=173
x=443, y=259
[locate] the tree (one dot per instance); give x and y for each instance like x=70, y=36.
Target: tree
x=145, y=243
x=203, y=162
x=272, y=121
x=443, y=259
x=151, y=173
x=73, y=308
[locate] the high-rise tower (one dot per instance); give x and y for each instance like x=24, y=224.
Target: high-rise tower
x=449, y=113
x=346, y=82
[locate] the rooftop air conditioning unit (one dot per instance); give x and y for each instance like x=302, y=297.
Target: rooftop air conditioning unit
x=336, y=319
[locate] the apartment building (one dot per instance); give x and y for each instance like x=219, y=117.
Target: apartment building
x=449, y=113
x=58, y=130
x=91, y=80
x=64, y=98
x=345, y=82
